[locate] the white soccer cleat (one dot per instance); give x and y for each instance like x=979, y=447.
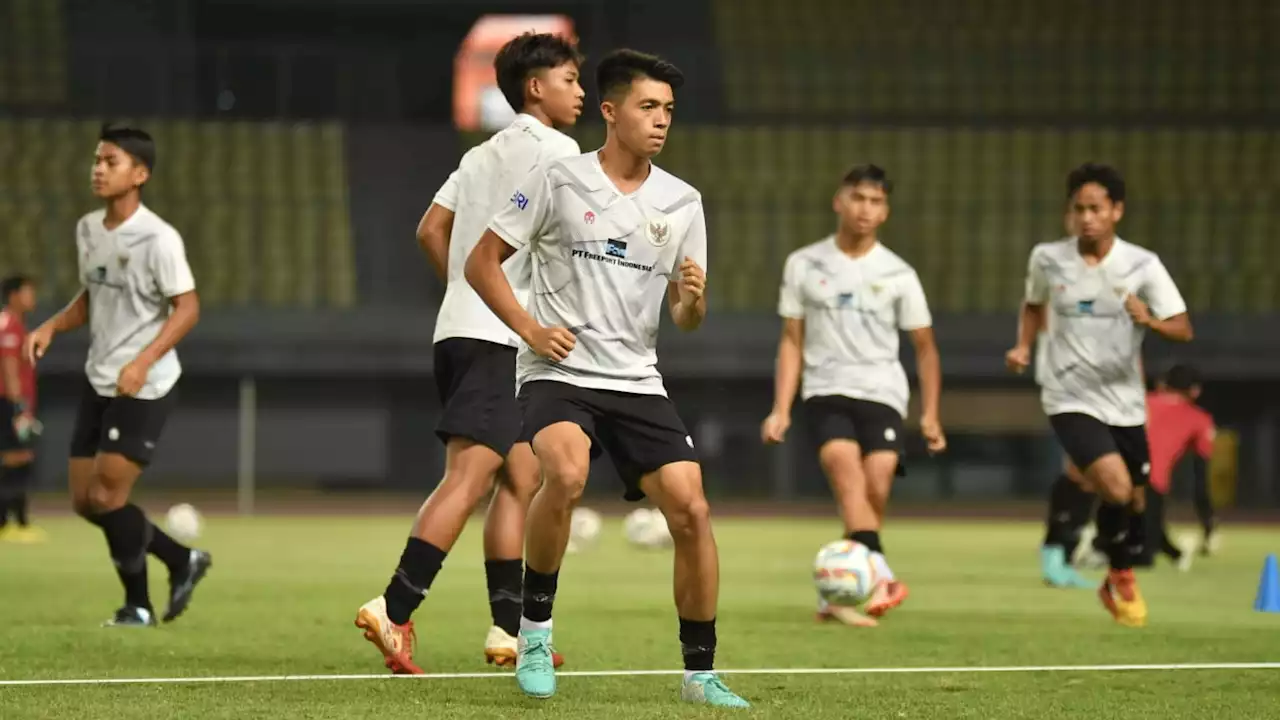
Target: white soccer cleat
x=1189, y=545
x=501, y=649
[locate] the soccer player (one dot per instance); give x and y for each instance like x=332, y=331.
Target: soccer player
x=1101, y=295
x=610, y=235
x=475, y=357
x=844, y=300
x=1175, y=424
x=139, y=300
x=18, y=424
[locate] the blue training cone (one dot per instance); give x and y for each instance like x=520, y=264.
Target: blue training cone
x=1269, y=587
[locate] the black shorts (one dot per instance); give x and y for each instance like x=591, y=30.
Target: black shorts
x=125, y=425
x=874, y=426
x=476, y=380
x=1086, y=438
x=641, y=433
x=9, y=440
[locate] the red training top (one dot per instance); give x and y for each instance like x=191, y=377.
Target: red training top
x=1174, y=424
x=12, y=335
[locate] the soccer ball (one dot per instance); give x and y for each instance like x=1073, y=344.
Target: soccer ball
x=183, y=522
x=647, y=529
x=584, y=529
x=844, y=573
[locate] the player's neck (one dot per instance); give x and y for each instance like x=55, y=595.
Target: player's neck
x=536, y=112
x=1095, y=249
x=121, y=209
x=624, y=168
x=854, y=245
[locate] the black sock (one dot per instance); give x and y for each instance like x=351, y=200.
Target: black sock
x=869, y=538
x=1081, y=508
x=19, y=479
x=126, y=531
x=698, y=644
x=539, y=594
x=6, y=502
x=419, y=564
x=21, y=510
x=1139, y=550
x=172, y=553
x=504, y=581
x=1113, y=528
x=1057, y=526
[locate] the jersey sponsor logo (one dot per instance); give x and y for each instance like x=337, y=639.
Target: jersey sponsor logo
x=658, y=232
x=615, y=248
x=845, y=300
x=520, y=200
x=611, y=260
x=1085, y=307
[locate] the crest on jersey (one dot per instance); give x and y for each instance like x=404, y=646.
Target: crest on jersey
x=589, y=218
x=876, y=288
x=123, y=259
x=1119, y=290
x=658, y=231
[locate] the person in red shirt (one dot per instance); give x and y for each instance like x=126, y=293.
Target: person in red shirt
x=1175, y=425
x=18, y=426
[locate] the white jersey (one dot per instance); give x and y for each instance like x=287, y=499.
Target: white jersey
x=1092, y=351
x=130, y=273
x=602, y=261
x=484, y=180
x=853, y=311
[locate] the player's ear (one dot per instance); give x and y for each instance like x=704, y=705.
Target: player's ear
x=140, y=174
x=1117, y=211
x=533, y=86
x=609, y=111
x=837, y=200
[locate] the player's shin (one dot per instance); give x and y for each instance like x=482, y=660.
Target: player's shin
x=126, y=529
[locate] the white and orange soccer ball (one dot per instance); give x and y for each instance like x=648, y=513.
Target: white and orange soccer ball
x=844, y=573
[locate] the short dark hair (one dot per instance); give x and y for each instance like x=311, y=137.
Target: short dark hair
x=868, y=173
x=527, y=53
x=134, y=141
x=1182, y=377
x=620, y=68
x=11, y=285
x=1108, y=177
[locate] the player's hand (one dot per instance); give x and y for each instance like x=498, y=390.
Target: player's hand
x=774, y=428
x=934, y=439
x=553, y=343
x=1138, y=310
x=132, y=378
x=38, y=341
x=693, y=280
x=1018, y=359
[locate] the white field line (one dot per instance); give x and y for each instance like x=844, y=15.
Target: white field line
x=635, y=673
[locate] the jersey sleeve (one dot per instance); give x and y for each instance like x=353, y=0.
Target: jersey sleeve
x=1160, y=292
x=1206, y=432
x=791, y=294
x=526, y=216
x=10, y=337
x=1037, y=285
x=169, y=265
x=694, y=244
x=447, y=196
x=913, y=307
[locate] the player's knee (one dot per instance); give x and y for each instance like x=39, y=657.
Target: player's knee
x=565, y=472
x=103, y=498
x=689, y=518
x=1112, y=481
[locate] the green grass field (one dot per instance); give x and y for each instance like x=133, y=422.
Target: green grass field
x=284, y=590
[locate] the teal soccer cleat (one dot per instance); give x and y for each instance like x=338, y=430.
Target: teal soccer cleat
x=706, y=688
x=535, y=667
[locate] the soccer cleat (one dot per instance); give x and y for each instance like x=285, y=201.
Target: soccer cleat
x=535, y=667
x=1055, y=571
x=1120, y=596
x=706, y=688
x=843, y=614
x=1212, y=544
x=130, y=616
x=395, y=642
x=887, y=595
x=500, y=649
x=1190, y=546
x=27, y=535
x=183, y=584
